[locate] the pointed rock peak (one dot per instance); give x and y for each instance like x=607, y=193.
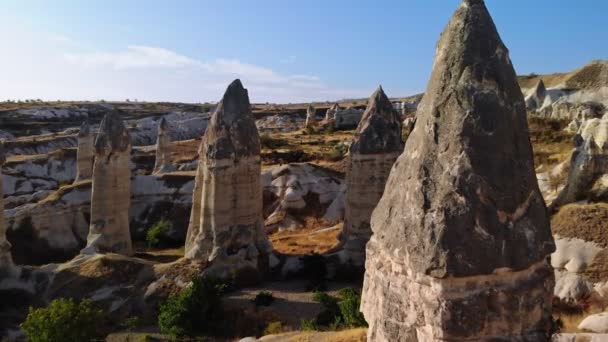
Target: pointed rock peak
x=466, y=178
x=2, y=154
x=311, y=108
x=163, y=125
x=234, y=104
x=232, y=131
x=380, y=128
x=85, y=129
x=112, y=134
x=540, y=88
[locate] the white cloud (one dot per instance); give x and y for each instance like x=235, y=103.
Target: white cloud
x=134, y=57
x=51, y=67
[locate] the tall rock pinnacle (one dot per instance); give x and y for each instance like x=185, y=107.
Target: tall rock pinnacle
x=535, y=99
x=85, y=155
x=461, y=235
x=163, y=149
x=6, y=261
x=311, y=116
x=226, y=225
x=111, y=194
x=376, y=146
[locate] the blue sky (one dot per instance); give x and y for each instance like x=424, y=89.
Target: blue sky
x=284, y=51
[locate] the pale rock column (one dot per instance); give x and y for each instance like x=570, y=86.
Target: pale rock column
x=163, y=149
x=226, y=225
x=85, y=154
x=461, y=236
x=375, y=147
x=111, y=193
x=311, y=116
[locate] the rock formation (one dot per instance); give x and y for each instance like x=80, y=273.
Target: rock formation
x=331, y=112
x=536, y=97
x=588, y=175
x=111, y=194
x=348, y=118
x=85, y=155
x=461, y=236
x=6, y=261
x=311, y=116
x=163, y=149
x=376, y=146
x=226, y=224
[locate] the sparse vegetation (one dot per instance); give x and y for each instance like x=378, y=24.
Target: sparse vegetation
x=339, y=313
x=64, y=320
x=194, y=311
x=338, y=152
x=157, y=235
x=273, y=328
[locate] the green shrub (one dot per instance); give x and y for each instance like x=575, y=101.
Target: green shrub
x=131, y=323
x=350, y=302
x=194, y=311
x=263, y=298
x=338, y=152
x=156, y=235
x=273, y=328
x=308, y=325
x=64, y=320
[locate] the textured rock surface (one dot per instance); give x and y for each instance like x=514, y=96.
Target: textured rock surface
x=589, y=163
x=348, y=118
x=163, y=149
x=376, y=146
x=6, y=262
x=111, y=193
x=85, y=156
x=311, y=116
x=535, y=99
x=331, y=112
x=461, y=235
x=226, y=224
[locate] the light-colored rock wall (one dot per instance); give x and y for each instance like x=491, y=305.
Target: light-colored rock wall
x=421, y=308
x=311, y=116
x=365, y=181
x=85, y=156
x=231, y=229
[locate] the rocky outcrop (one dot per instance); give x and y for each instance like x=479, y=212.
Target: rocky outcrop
x=584, y=112
x=536, y=97
x=589, y=164
x=111, y=193
x=6, y=262
x=348, y=118
x=226, y=225
x=85, y=155
x=163, y=149
x=331, y=112
x=311, y=116
x=295, y=193
x=461, y=235
x=376, y=146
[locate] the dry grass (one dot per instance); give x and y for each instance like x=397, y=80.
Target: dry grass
x=306, y=241
x=551, y=144
x=352, y=335
x=588, y=222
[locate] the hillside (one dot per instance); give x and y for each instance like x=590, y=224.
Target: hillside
x=591, y=76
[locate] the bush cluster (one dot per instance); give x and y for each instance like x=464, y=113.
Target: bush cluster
x=157, y=235
x=338, y=312
x=196, y=310
x=64, y=320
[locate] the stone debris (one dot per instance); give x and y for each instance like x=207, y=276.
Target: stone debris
x=461, y=236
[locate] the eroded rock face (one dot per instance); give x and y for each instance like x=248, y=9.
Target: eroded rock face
x=331, y=112
x=311, y=116
x=376, y=146
x=85, y=155
x=6, y=262
x=535, y=99
x=589, y=164
x=461, y=235
x=163, y=149
x=226, y=225
x=111, y=194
